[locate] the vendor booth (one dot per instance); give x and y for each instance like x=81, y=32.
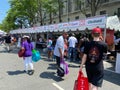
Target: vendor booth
x=108, y=24
x=2, y=32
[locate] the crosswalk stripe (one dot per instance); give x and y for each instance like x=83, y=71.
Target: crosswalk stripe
x=57, y=86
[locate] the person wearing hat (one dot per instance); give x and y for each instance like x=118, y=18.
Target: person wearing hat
x=27, y=47
x=93, y=59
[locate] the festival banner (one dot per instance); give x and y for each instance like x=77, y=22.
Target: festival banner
x=98, y=21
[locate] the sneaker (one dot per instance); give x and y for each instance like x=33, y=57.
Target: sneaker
x=25, y=71
x=31, y=72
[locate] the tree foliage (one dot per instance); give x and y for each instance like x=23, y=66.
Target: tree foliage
x=50, y=7
x=92, y=4
x=26, y=13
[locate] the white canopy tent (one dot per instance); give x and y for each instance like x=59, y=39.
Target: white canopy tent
x=2, y=32
x=111, y=22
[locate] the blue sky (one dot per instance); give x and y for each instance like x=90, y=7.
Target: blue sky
x=4, y=7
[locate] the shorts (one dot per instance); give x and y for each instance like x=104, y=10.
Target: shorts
x=50, y=48
x=95, y=77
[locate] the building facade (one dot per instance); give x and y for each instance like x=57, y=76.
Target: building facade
x=72, y=10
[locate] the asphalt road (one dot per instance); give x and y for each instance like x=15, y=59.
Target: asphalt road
x=12, y=76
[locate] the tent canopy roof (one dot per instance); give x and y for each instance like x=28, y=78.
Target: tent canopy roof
x=111, y=22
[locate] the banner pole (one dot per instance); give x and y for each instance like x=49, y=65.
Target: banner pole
x=105, y=30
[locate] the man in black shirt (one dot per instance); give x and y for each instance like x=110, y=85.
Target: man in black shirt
x=8, y=42
x=93, y=59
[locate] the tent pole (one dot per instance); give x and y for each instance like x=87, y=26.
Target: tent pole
x=105, y=30
x=35, y=39
x=104, y=33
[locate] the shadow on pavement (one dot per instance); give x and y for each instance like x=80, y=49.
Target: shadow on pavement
x=112, y=77
x=51, y=75
x=14, y=51
x=17, y=72
x=52, y=66
x=112, y=65
x=46, y=59
x=73, y=66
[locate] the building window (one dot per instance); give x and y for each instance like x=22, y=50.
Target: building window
x=88, y=15
x=77, y=17
x=118, y=13
x=103, y=12
x=104, y=1
x=61, y=10
x=68, y=19
x=69, y=6
x=77, y=5
x=55, y=13
x=54, y=21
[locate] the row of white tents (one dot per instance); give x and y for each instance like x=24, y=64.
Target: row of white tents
x=111, y=22
x=2, y=32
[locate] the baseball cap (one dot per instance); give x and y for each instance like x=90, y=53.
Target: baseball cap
x=96, y=30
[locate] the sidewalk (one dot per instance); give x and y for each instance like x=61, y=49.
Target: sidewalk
x=11, y=68
x=111, y=78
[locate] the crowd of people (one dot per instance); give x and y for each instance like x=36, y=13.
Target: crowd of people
x=73, y=46
x=8, y=40
x=91, y=54
x=68, y=47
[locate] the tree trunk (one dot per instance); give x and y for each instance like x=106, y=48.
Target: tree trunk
x=50, y=15
x=93, y=9
x=59, y=11
x=40, y=16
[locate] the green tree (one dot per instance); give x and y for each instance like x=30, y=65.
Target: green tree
x=24, y=9
x=51, y=7
x=40, y=9
x=60, y=7
x=94, y=5
x=83, y=5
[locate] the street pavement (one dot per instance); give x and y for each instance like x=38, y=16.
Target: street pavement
x=12, y=76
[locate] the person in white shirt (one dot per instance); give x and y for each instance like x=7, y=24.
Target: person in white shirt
x=50, y=48
x=72, y=47
x=59, y=48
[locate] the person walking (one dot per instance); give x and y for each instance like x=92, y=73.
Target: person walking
x=27, y=47
x=83, y=40
x=72, y=47
x=8, y=42
x=59, y=48
x=66, y=49
x=93, y=60
x=50, y=48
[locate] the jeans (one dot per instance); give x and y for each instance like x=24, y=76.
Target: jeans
x=72, y=53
